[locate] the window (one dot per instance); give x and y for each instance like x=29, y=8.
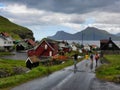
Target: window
x=110, y=45
x=46, y=46
x=5, y=42
x=50, y=53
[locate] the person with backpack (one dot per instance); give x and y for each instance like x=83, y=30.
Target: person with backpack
x=96, y=58
x=91, y=58
x=75, y=60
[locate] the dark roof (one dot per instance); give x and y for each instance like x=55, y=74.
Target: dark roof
x=104, y=41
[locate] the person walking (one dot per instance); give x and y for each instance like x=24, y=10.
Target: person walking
x=75, y=60
x=86, y=58
x=96, y=59
x=91, y=58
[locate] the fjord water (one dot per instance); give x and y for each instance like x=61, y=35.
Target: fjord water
x=85, y=42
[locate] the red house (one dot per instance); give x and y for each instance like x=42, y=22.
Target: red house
x=47, y=47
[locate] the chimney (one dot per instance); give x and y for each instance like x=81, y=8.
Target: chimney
x=109, y=38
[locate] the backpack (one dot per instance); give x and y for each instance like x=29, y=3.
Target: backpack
x=96, y=57
x=91, y=56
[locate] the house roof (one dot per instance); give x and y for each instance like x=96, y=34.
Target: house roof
x=31, y=42
x=104, y=41
x=94, y=46
x=5, y=34
x=33, y=59
x=51, y=43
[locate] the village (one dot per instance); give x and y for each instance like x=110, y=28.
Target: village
x=52, y=49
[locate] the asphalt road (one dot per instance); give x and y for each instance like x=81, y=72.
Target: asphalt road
x=69, y=79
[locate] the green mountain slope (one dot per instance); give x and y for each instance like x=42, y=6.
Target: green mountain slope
x=16, y=31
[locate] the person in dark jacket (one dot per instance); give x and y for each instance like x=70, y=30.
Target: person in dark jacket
x=75, y=60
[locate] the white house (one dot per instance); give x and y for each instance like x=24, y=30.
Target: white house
x=6, y=41
x=74, y=47
x=87, y=47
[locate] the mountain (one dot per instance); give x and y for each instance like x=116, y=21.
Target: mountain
x=16, y=31
x=60, y=35
x=90, y=33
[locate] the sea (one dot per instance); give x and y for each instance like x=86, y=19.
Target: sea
x=85, y=42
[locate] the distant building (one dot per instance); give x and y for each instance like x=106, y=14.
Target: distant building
x=25, y=44
x=21, y=45
x=6, y=41
x=86, y=47
x=109, y=46
x=64, y=46
x=74, y=47
x=30, y=42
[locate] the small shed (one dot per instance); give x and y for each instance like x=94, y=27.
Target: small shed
x=32, y=61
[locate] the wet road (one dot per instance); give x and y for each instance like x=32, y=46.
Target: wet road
x=68, y=79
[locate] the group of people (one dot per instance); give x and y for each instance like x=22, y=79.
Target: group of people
x=95, y=57
x=92, y=57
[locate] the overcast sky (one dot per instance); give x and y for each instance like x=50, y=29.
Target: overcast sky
x=46, y=17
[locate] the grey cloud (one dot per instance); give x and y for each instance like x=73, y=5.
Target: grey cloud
x=66, y=6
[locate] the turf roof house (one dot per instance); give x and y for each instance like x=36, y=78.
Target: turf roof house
x=108, y=46
x=47, y=48
x=6, y=41
x=25, y=44
x=32, y=62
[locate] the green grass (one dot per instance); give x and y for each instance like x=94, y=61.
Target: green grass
x=8, y=82
x=111, y=70
x=8, y=66
x=16, y=31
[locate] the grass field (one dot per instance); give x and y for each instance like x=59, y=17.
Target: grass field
x=111, y=70
x=8, y=82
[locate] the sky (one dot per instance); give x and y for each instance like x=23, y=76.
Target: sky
x=46, y=17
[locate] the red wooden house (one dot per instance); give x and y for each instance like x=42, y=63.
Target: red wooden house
x=47, y=47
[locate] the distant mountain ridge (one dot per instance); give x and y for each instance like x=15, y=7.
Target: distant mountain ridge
x=90, y=33
x=16, y=31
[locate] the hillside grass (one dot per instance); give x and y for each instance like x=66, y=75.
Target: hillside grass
x=40, y=71
x=16, y=31
x=111, y=70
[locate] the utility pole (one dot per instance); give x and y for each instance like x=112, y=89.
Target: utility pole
x=82, y=37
